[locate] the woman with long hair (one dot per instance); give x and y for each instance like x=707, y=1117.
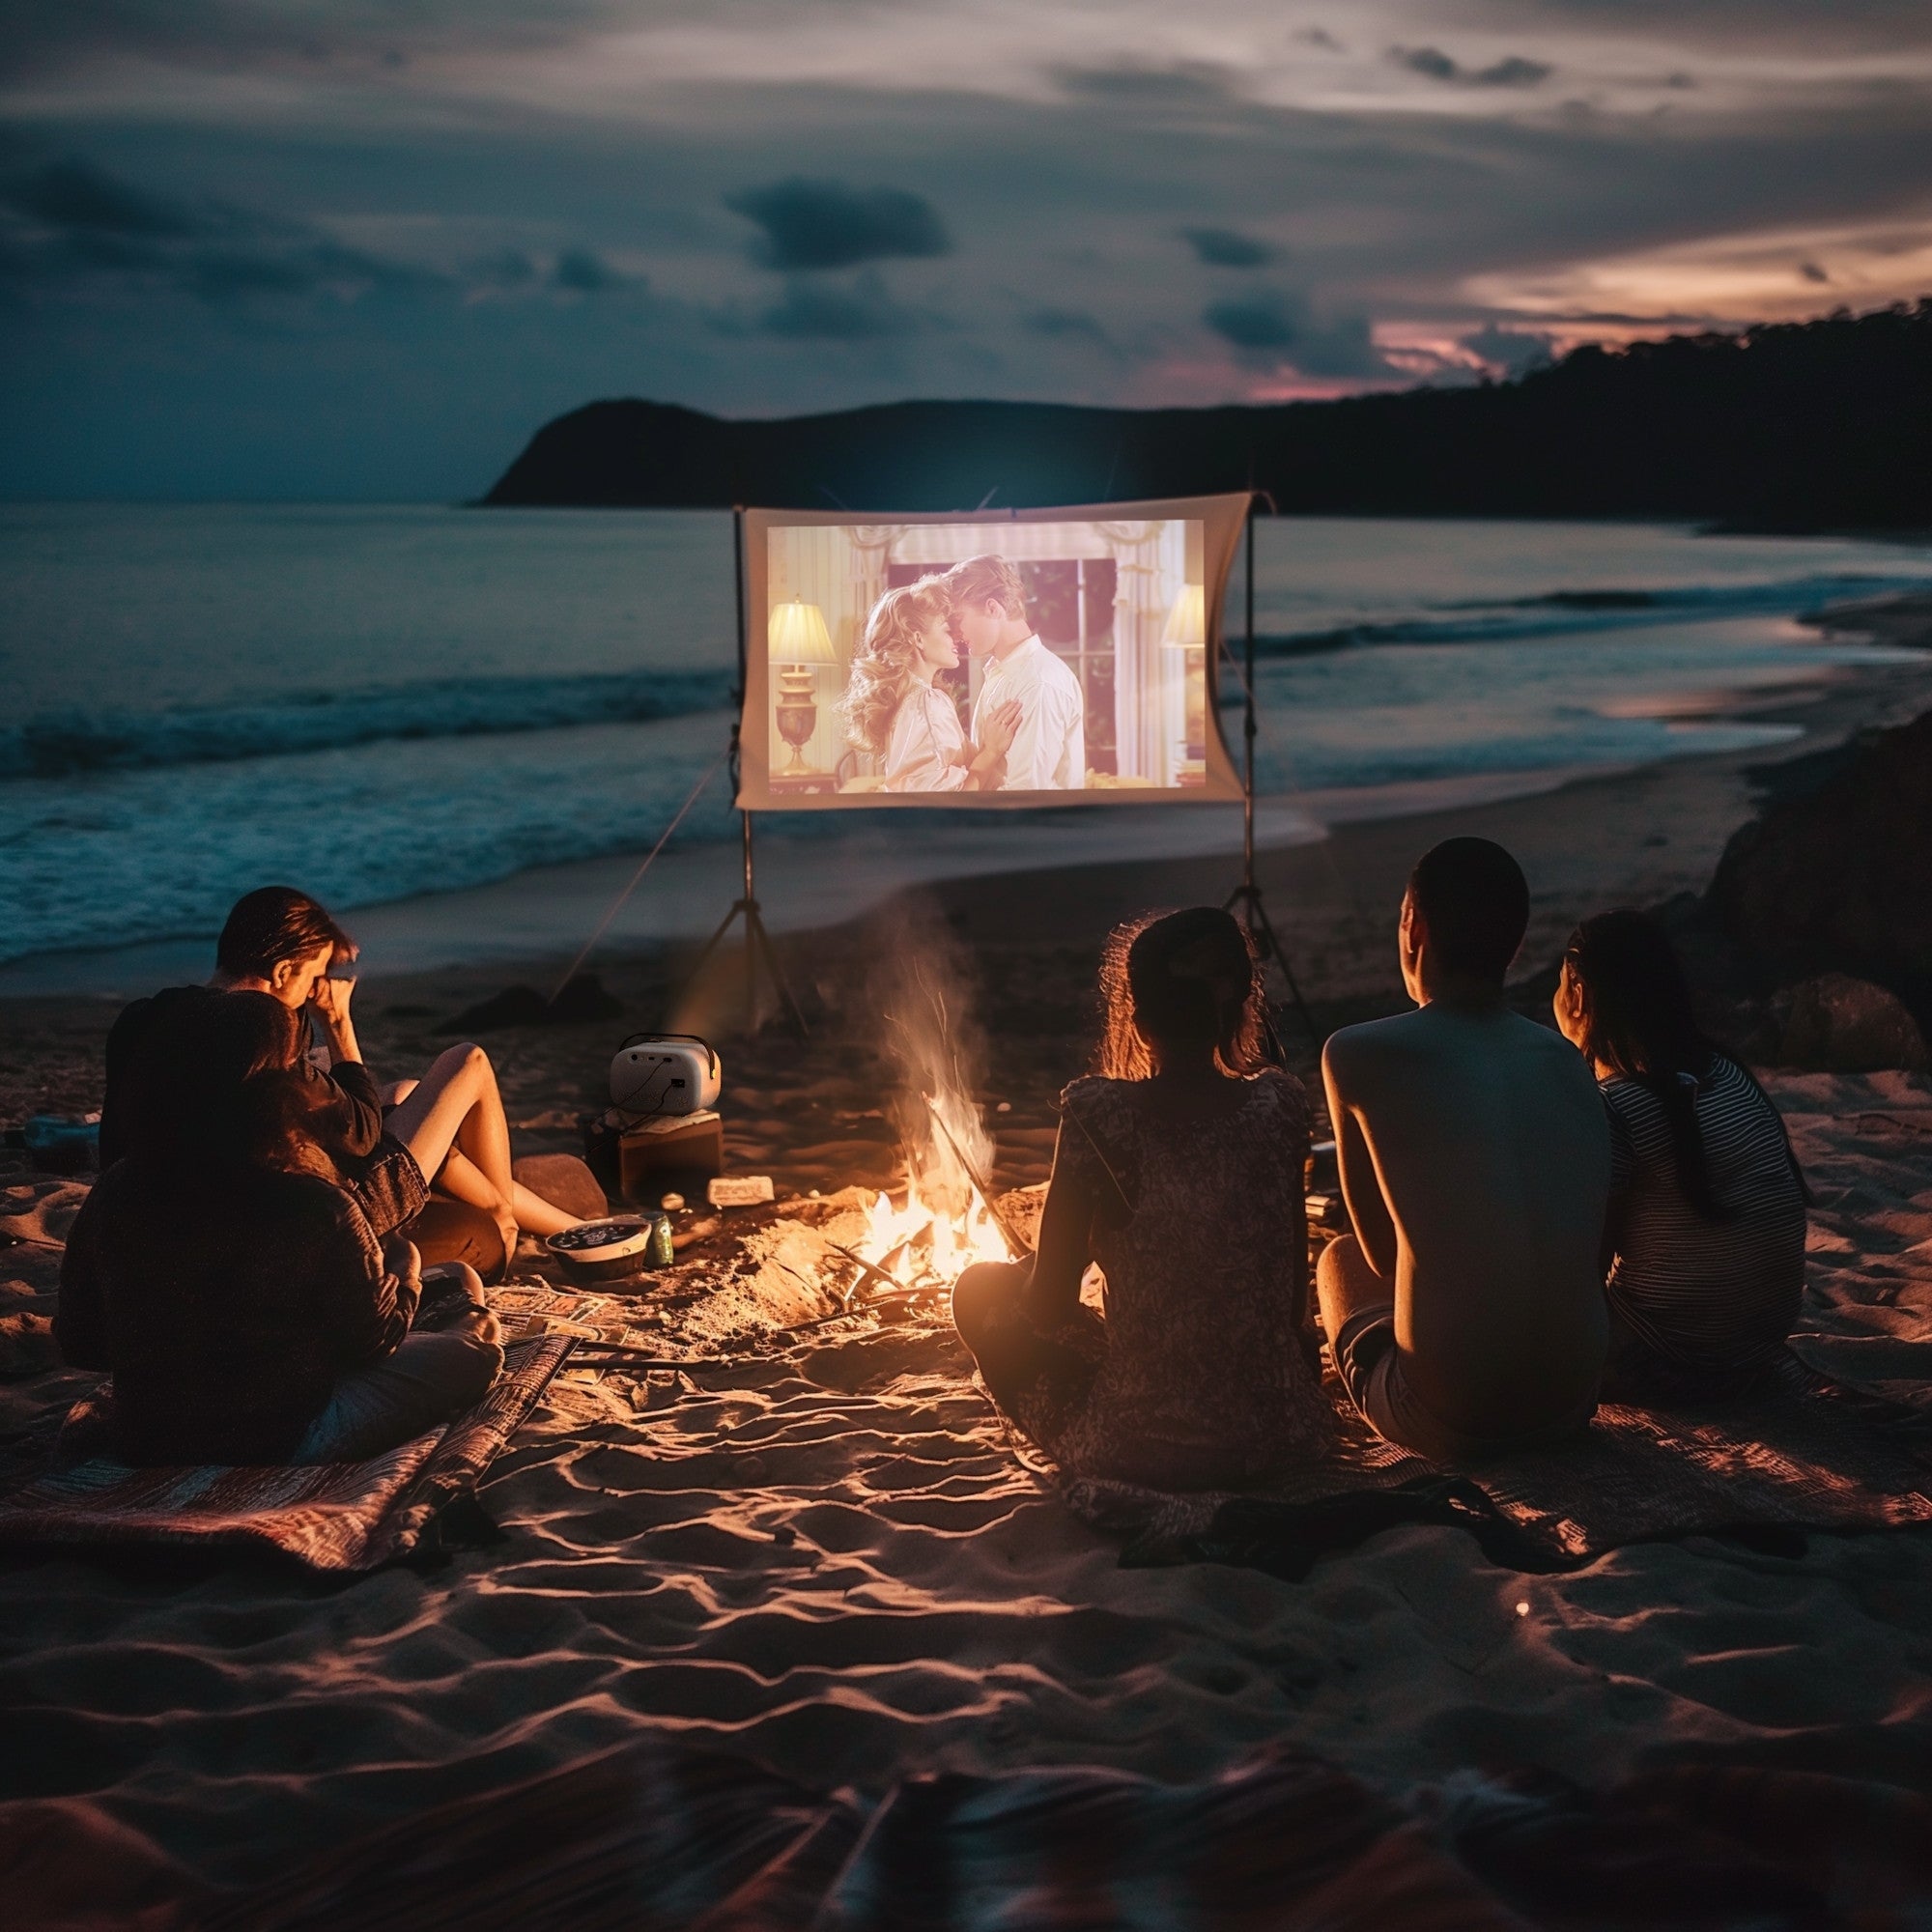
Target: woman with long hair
x=1705, y=1244
x=1178, y=1170
x=893, y=710
x=238, y=1295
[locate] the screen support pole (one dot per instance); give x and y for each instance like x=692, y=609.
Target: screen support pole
x=1245, y=901
x=760, y=955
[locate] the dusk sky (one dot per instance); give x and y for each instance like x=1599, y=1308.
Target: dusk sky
x=344, y=248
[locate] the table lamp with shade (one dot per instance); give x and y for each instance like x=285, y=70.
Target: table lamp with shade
x=1186, y=627
x=1186, y=630
x=797, y=640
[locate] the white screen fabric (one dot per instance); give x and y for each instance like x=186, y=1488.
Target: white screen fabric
x=1010, y=658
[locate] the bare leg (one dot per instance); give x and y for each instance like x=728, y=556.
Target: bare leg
x=1347, y=1285
x=461, y=1177
x=456, y=1104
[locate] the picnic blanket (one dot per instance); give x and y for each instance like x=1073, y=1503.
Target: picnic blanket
x=333, y=1517
x=1798, y=1452
x=659, y=1834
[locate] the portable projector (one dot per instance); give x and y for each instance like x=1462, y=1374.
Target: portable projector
x=664, y=1073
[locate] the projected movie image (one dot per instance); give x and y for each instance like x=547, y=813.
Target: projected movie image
x=985, y=662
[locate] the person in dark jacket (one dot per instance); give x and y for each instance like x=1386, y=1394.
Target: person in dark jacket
x=246, y=1308
x=445, y=1132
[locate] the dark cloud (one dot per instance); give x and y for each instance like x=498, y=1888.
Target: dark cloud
x=1227, y=248
x=1812, y=272
x=1067, y=324
x=1269, y=330
x=1434, y=65
x=73, y=222
x=1319, y=37
x=811, y=310
x=825, y=224
x=1343, y=347
x=1183, y=85
x=1264, y=321
x=1430, y=61
x=76, y=196
x=1510, y=350
x=38, y=38
x=504, y=268
x=585, y=272
x=1513, y=71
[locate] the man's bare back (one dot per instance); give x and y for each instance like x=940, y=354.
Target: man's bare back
x=1475, y=1161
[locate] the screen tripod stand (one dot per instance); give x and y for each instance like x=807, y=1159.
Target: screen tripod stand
x=1245, y=901
x=761, y=956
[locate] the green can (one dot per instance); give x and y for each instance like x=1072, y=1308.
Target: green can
x=661, y=1253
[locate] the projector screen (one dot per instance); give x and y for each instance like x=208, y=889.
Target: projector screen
x=1005, y=658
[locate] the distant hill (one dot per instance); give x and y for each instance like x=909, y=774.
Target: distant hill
x=1798, y=426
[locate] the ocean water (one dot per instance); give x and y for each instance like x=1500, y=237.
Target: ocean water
x=378, y=703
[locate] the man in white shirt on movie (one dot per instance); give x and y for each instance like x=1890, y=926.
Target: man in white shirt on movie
x=1049, y=748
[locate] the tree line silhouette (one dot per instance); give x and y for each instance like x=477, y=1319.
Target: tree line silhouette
x=1786, y=427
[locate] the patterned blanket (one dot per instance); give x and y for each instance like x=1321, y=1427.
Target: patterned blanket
x=659, y=1835
x=333, y=1517
x=1799, y=1452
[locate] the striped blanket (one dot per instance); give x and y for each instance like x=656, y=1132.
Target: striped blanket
x=333, y=1517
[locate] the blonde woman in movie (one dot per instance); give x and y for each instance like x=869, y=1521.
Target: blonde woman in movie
x=893, y=710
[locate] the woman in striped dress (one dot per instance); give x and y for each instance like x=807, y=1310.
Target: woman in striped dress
x=1705, y=1243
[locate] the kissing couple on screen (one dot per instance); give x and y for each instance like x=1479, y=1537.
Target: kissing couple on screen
x=1029, y=723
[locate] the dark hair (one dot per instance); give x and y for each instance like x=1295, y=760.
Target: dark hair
x=274, y=923
x=1474, y=901
x=223, y=1090
x=1638, y=1022
x=1185, y=979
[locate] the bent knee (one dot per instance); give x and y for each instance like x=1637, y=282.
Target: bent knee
x=1338, y=1263
x=982, y=1293
x=471, y=1363
x=459, y=1274
x=466, y=1058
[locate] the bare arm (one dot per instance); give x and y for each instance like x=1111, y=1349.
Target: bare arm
x=330, y=1002
x=1066, y=1246
x=1361, y=1185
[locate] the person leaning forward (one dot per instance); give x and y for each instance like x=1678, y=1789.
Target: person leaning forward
x=1466, y=1311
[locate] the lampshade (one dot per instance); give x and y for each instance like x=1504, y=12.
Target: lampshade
x=798, y=635
x=1187, y=622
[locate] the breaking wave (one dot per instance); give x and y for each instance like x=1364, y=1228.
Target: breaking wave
x=69, y=742
x=1560, y=613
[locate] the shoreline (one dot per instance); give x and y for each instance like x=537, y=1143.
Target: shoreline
x=1024, y=938
x=529, y=921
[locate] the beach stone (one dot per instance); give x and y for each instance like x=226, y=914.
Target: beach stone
x=564, y=1181
x=1841, y=1025
x=1838, y=879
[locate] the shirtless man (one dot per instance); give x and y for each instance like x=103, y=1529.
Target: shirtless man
x=1466, y=1312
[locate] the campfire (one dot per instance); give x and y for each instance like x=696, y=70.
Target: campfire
x=947, y=1222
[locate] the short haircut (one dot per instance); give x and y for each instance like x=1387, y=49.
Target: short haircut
x=986, y=576
x=1474, y=903
x=274, y=923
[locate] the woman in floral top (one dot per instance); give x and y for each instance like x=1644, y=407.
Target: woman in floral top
x=1178, y=1172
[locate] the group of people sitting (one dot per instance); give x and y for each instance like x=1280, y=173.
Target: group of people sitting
x=282, y=1262
x=1539, y=1219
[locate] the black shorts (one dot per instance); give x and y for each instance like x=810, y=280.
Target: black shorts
x=1370, y=1366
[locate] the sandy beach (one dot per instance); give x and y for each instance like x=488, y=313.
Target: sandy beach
x=829, y=1560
